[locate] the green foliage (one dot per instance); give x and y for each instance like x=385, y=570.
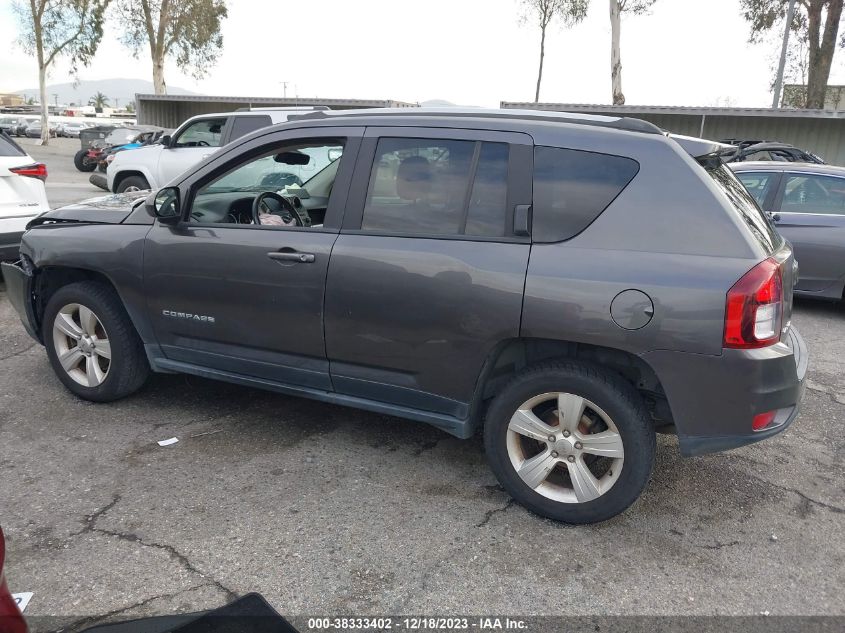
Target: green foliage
x=636, y=7
x=61, y=27
x=764, y=15
x=185, y=30
x=543, y=12
x=99, y=100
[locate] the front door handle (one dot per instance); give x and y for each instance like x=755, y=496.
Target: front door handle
x=302, y=258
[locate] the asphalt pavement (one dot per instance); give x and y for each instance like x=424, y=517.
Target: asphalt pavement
x=331, y=511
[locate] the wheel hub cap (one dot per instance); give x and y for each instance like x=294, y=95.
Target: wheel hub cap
x=565, y=447
x=82, y=345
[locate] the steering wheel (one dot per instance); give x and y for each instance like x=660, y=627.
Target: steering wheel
x=203, y=144
x=284, y=208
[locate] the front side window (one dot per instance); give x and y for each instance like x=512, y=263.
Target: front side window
x=759, y=184
x=438, y=187
x=572, y=188
x=814, y=194
x=203, y=133
x=294, y=172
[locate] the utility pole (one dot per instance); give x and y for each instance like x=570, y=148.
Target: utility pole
x=56, y=99
x=284, y=89
x=779, y=79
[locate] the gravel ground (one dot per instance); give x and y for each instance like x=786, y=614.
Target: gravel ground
x=328, y=510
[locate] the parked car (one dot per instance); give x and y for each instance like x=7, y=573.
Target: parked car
x=33, y=129
x=22, y=194
x=11, y=618
x=572, y=284
x=19, y=128
x=196, y=139
x=73, y=128
x=807, y=205
x=10, y=124
x=748, y=150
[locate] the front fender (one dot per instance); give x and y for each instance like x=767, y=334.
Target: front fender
x=117, y=170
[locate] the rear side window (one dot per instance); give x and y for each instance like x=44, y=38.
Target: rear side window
x=8, y=147
x=572, y=188
x=243, y=125
x=758, y=183
x=757, y=221
x=438, y=187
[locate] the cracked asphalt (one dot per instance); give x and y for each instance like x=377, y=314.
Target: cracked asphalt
x=330, y=511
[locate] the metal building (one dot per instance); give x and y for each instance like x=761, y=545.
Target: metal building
x=170, y=111
x=821, y=132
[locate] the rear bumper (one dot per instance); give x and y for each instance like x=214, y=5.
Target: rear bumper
x=19, y=291
x=715, y=398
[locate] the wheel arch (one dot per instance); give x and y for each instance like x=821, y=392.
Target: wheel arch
x=49, y=279
x=511, y=356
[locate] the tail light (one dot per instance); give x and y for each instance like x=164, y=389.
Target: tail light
x=754, y=307
x=36, y=170
x=11, y=620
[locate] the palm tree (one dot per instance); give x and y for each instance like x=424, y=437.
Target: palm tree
x=99, y=101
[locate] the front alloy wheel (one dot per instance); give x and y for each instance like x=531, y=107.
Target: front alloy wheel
x=82, y=345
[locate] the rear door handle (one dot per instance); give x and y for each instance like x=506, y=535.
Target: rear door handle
x=302, y=258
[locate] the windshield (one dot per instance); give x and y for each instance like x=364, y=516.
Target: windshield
x=120, y=135
x=756, y=220
x=265, y=174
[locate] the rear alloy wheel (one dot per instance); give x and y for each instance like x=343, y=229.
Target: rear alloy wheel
x=92, y=344
x=570, y=442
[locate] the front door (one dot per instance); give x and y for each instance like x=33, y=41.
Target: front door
x=427, y=274
x=238, y=288
x=190, y=145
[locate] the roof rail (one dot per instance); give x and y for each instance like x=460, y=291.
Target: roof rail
x=619, y=123
x=316, y=108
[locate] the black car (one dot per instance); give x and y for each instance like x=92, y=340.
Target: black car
x=565, y=284
x=752, y=150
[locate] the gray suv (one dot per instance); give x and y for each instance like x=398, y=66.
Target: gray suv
x=571, y=285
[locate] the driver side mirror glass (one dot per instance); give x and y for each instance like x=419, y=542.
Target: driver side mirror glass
x=166, y=205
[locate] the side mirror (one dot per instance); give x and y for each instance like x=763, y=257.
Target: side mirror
x=165, y=205
x=165, y=140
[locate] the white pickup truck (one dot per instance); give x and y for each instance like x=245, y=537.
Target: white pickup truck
x=196, y=139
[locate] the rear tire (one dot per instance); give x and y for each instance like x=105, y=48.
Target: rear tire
x=92, y=344
x=132, y=183
x=570, y=442
x=80, y=162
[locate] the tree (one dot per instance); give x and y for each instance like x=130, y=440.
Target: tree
x=816, y=23
x=542, y=13
x=617, y=8
x=52, y=28
x=99, y=101
x=188, y=30
x=130, y=107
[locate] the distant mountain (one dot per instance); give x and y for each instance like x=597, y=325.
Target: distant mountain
x=438, y=103
x=119, y=91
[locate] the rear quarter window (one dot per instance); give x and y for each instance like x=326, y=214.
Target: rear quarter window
x=572, y=188
x=8, y=147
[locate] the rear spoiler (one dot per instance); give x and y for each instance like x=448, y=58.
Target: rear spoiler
x=708, y=154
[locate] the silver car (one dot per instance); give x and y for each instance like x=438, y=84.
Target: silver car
x=807, y=204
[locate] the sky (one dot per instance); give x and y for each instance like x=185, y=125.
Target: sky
x=470, y=52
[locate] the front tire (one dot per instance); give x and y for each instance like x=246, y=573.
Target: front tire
x=92, y=344
x=570, y=442
x=132, y=183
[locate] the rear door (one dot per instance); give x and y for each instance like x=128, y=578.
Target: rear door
x=428, y=272
x=193, y=143
x=810, y=213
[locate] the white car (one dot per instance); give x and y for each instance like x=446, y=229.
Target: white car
x=22, y=195
x=195, y=140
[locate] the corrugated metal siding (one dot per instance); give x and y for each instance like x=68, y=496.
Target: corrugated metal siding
x=820, y=132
